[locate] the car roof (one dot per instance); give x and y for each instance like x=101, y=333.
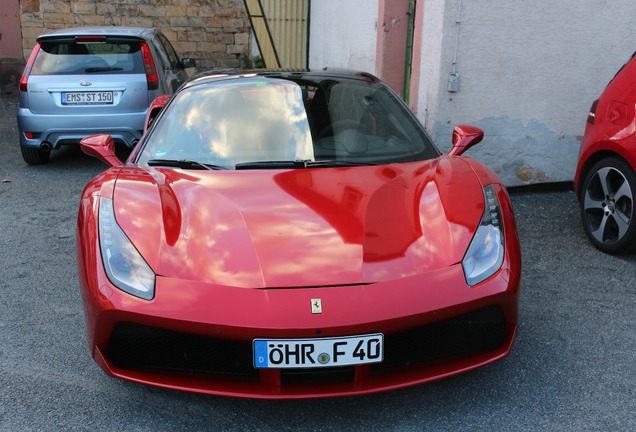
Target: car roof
x=140, y=32
x=225, y=74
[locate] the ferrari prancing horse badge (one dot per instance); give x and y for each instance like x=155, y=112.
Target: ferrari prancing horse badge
x=316, y=306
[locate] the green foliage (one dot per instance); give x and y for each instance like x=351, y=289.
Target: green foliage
x=248, y=62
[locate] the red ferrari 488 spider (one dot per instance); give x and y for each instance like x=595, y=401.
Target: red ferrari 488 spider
x=294, y=235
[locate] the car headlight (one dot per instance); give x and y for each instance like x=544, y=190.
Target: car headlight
x=125, y=267
x=485, y=253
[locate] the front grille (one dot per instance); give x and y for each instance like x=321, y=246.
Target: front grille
x=317, y=375
x=478, y=331
x=134, y=346
x=137, y=347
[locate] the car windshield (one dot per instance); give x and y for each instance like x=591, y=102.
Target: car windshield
x=264, y=123
x=69, y=58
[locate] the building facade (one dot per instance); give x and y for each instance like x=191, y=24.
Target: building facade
x=525, y=72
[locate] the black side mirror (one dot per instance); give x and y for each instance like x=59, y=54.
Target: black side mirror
x=187, y=63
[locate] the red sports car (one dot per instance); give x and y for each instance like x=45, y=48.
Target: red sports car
x=294, y=235
x=605, y=181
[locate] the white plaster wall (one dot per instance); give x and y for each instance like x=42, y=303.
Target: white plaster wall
x=431, y=61
x=529, y=72
x=343, y=34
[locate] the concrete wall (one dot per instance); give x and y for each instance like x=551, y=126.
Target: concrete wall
x=528, y=71
x=343, y=34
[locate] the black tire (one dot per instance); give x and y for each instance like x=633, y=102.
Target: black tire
x=607, y=204
x=34, y=156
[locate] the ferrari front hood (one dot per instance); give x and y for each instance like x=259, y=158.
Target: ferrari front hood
x=304, y=227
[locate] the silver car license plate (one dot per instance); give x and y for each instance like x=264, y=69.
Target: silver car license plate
x=319, y=352
x=87, y=98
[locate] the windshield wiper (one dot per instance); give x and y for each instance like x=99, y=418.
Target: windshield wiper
x=184, y=164
x=338, y=163
x=103, y=69
x=301, y=163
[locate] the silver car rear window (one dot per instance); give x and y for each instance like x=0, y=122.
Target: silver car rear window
x=70, y=58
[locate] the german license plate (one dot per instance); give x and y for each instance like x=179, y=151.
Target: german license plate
x=318, y=352
x=87, y=98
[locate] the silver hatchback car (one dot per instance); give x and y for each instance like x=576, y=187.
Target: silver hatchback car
x=93, y=80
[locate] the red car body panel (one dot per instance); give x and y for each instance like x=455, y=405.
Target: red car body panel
x=391, y=306
x=374, y=271
x=299, y=227
x=611, y=126
x=591, y=151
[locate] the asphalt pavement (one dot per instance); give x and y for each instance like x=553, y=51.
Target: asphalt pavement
x=572, y=368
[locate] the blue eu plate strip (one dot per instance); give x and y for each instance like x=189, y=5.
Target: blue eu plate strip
x=260, y=354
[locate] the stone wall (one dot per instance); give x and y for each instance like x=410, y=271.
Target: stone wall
x=213, y=32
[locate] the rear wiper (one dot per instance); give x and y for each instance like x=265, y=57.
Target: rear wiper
x=301, y=163
x=103, y=69
x=184, y=164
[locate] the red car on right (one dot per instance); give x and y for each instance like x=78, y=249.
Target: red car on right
x=605, y=179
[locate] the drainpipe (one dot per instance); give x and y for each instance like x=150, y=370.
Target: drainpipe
x=453, y=77
x=409, y=50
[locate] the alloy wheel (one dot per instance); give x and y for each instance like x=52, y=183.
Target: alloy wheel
x=607, y=206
